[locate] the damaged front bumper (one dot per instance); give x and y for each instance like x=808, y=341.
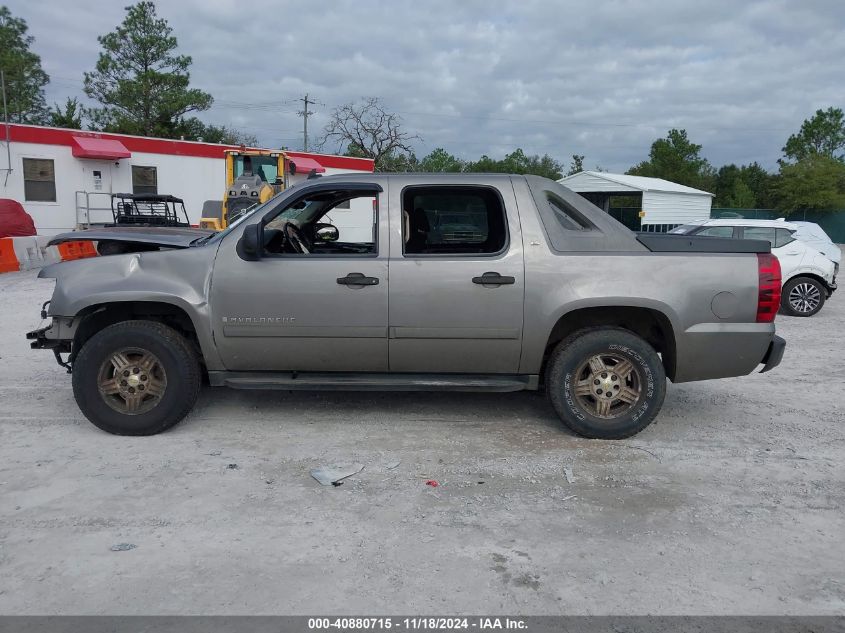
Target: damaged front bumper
x=54, y=337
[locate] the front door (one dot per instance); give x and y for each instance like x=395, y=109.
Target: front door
x=456, y=277
x=295, y=311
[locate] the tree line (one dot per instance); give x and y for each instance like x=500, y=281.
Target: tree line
x=142, y=86
x=141, y=83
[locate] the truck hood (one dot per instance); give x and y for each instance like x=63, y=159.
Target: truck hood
x=166, y=237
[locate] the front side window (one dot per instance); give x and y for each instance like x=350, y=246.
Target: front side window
x=144, y=180
x=717, y=231
x=453, y=220
x=312, y=225
x=39, y=180
x=766, y=233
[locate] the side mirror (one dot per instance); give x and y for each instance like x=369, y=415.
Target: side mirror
x=251, y=244
x=326, y=233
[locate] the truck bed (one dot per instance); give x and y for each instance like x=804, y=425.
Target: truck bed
x=665, y=243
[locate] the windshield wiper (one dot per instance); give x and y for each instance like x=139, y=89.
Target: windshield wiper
x=201, y=240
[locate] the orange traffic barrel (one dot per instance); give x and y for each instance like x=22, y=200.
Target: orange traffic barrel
x=8, y=260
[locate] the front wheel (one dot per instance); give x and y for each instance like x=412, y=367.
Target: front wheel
x=606, y=383
x=136, y=378
x=802, y=297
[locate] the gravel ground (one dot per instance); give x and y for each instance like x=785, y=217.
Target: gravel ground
x=730, y=503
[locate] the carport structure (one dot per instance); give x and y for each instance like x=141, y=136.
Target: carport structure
x=662, y=206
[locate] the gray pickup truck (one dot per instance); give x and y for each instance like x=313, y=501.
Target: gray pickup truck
x=412, y=282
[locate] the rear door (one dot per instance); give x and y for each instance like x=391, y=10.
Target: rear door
x=788, y=251
x=456, y=276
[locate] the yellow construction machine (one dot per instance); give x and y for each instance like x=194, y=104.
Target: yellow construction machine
x=252, y=177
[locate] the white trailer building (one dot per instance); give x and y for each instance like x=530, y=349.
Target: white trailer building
x=61, y=176
x=664, y=204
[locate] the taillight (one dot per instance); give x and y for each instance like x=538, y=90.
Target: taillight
x=768, y=294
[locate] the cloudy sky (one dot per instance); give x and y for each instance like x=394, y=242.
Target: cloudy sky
x=602, y=78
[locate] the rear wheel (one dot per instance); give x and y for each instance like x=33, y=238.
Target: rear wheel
x=802, y=296
x=136, y=378
x=606, y=383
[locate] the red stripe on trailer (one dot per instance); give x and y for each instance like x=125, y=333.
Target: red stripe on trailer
x=141, y=144
x=337, y=162
x=144, y=145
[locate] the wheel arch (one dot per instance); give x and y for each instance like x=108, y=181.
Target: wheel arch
x=651, y=324
x=811, y=275
x=97, y=316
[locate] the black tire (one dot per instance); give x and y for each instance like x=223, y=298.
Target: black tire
x=570, y=373
x=175, y=361
x=809, y=297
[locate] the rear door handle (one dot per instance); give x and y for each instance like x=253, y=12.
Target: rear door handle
x=357, y=279
x=493, y=279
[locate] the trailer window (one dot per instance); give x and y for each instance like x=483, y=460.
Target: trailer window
x=39, y=180
x=144, y=180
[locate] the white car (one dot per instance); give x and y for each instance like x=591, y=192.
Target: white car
x=809, y=275
x=814, y=235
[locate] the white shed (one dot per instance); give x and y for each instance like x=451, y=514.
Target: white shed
x=664, y=204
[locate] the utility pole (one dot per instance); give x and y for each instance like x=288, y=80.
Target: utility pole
x=6, y=125
x=305, y=113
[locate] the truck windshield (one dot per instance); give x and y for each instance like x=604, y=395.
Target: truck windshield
x=265, y=167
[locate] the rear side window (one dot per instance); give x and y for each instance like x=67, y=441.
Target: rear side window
x=760, y=233
x=568, y=217
x=717, y=231
x=783, y=237
x=453, y=221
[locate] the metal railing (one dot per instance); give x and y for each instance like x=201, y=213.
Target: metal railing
x=103, y=214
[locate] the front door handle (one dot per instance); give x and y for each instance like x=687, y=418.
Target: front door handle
x=493, y=279
x=357, y=279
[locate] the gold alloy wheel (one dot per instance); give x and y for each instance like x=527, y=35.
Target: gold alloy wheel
x=607, y=386
x=132, y=381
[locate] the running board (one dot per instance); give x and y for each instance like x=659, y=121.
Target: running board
x=372, y=382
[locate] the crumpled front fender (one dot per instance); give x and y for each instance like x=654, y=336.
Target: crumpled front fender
x=181, y=278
